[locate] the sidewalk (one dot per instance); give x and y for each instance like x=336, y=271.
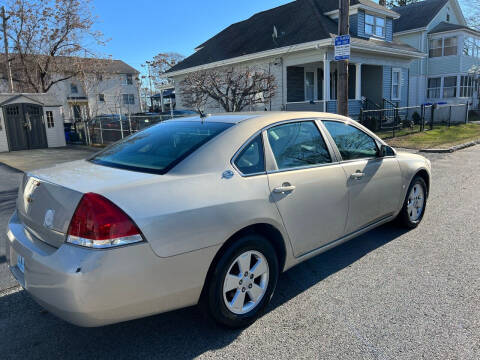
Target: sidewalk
x=27, y=160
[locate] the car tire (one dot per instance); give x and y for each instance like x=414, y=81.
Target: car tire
x=414, y=205
x=237, y=308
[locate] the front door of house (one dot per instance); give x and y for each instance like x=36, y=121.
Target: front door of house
x=25, y=126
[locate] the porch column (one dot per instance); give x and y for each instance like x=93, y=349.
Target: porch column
x=358, y=81
x=326, y=83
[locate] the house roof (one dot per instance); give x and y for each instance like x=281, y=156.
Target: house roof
x=330, y=5
x=417, y=15
x=445, y=26
x=109, y=66
x=40, y=98
x=297, y=22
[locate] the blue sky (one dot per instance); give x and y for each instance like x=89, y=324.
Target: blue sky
x=141, y=29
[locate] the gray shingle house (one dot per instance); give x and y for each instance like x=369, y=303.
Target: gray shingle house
x=385, y=58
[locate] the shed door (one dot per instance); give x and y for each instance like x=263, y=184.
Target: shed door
x=37, y=137
x=25, y=127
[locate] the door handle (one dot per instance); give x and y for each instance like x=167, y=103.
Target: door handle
x=286, y=187
x=358, y=175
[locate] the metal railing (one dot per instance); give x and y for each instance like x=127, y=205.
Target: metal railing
x=398, y=121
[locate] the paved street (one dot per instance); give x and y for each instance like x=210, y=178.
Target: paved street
x=388, y=294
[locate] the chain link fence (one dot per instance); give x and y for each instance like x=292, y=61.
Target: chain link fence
x=107, y=129
x=399, y=121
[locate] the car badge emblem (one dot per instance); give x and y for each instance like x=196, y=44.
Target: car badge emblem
x=48, y=220
x=228, y=174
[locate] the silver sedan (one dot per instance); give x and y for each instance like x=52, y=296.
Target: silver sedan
x=204, y=211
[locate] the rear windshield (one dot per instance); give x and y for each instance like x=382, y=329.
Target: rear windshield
x=160, y=147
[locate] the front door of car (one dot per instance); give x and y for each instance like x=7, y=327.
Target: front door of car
x=307, y=185
x=374, y=183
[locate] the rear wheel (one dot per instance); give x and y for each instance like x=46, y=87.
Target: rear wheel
x=242, y=282
x=414, y=206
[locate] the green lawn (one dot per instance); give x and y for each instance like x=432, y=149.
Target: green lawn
x=386, y=134
x=439, y=137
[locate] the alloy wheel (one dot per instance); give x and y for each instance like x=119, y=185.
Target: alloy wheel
x=416, y=202
x=246, y=282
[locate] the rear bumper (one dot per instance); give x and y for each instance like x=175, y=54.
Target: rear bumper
x=98, y=287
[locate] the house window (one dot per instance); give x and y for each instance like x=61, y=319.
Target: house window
x=374, y=25
x=128, y=79
x=450, y=86
x=101, y=97
x=309, y=85
x=450, y=46
x=448, y=17
x=99, y=77
x=50, y=122
x=466, y=86
x=73, y=89
x=128, y=99
x=471, y=47
x=396, y=84
x=434, y=85
x=435, y=48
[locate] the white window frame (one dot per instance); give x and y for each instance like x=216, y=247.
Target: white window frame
x=374, y=26
x=442, y=47
x=399, y=85
x=130, y=99
x=452, y=47
x=449, y=87
x=468, y=87
x=305, y=84
x=439, y=88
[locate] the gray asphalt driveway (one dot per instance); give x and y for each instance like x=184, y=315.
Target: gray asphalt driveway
x=388, y=294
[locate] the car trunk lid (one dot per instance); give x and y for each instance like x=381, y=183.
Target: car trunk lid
x=48, y=198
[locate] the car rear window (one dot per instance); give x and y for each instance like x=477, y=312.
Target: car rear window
x=159, y=148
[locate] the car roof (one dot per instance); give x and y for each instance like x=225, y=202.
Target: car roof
x=262, y=117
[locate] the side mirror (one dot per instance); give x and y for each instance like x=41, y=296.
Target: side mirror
x=386, y=150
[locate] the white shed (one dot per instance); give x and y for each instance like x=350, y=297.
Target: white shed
x=30, y=121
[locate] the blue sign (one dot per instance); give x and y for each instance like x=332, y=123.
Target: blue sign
x=342, y=47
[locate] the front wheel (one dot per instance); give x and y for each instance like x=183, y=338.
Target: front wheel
x=414, y=206
x=242, y=283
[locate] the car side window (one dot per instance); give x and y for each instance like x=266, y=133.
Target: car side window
x=351, y=142
x=251, y=159
x=298, y=144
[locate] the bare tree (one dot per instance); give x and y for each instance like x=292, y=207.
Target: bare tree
x=473, y=9
x=47, y=37
x=233, y=89
x=159, y=66
x=394, y=3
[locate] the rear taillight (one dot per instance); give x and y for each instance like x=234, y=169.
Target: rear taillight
x=99, y=223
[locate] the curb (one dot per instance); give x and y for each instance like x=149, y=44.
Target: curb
x=451, y=149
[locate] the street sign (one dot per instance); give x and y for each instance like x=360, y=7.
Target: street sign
x=342, y=47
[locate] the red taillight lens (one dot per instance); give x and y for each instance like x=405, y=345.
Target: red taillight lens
x=99, y=223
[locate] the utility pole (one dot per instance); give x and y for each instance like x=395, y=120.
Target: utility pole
x=5, y=45
x=342, y=65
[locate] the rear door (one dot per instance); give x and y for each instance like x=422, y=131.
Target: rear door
x=307, y=184
x=374, y=183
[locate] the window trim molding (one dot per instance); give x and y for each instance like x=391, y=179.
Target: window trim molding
x=375, y=16
x=400, y=77
x=240, y=150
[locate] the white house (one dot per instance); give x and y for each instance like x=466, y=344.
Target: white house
x=107, y=87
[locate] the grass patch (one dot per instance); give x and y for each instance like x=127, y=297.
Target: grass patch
x=439, y=137
x=387, y=134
